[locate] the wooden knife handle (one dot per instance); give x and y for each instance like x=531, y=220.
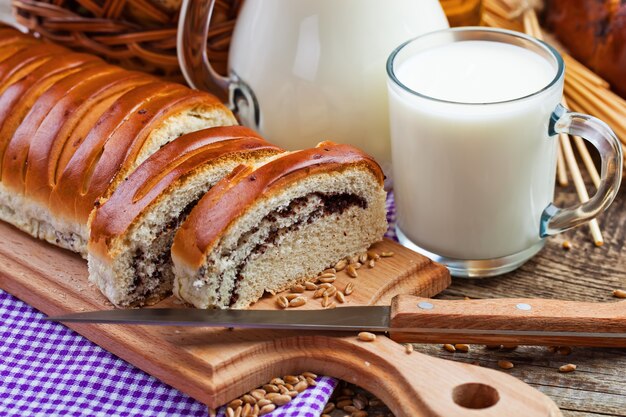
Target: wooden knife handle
x=544, y=322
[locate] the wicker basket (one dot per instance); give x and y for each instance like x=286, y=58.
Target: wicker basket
x=141, y=34
x=136, y=34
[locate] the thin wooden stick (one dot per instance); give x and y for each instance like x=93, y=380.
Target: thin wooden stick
x=531, y=25
x=587, y=160
x=579, y=183
x=561, y=172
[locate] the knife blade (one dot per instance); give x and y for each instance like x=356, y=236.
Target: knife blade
x=413, y=319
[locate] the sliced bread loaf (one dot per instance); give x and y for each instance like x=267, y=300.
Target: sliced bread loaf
x=132, y=231
x=267, y=228
x=80, y=128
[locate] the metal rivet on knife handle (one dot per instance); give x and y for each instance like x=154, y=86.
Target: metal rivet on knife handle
x=524, y=306
x=425, y=305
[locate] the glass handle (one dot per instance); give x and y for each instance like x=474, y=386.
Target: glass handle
x=556, y=220
x=191, y=38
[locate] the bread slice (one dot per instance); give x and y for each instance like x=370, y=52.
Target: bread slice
x=132, y=231
x=265, y=229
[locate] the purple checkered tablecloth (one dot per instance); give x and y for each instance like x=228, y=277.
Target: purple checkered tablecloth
x=49, y=370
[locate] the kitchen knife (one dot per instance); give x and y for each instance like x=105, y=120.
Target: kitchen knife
x=413, y=319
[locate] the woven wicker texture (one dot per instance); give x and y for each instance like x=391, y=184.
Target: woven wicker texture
x=136, y=34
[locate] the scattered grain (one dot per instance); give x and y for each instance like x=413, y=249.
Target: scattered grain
x=330, y=291
x=360, y=414
x=329, y=408
x=505, y=364
x=367, y=336
x=277, y=381
x=408, y=348
x=462, y=347
x=371, y=263
x=363, y=257
x=291, y=379
x=311, y=381
x=619, y=293
x=297, y=302
x=570, y=367
x=344, y=403
x=281, y=399
x=258, y=394
x=351, y=271
x=263, y=402
x=373, y=255
x=566, y=245
x=309, y=375
x=328, y=280
x=235, y=403
x=309, y=286
x=319, y=293
x=341, y=265
x=359, y=404
x=269, y=388
x=357, y=265
x=387, y=254
x=267, y=409
x=449, y=347
x=340, y=297
x=331, y=305
x=298, y=288
x=282, y=301
x=330, y=271
x=300, y=386
x=248, y=399
x=325, y=301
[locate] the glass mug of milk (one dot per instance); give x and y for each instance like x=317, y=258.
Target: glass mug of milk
x=474, y=115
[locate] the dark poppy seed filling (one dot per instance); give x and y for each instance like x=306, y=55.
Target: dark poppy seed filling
x=153, y=273
x=272, y=229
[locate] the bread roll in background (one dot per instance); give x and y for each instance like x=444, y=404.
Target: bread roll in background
x=594, y=32
x=132, y=231
x=264, y=229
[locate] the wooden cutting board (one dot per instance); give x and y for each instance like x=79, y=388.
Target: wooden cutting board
x=217, y=365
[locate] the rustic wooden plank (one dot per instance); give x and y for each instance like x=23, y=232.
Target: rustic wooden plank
x=585, y=273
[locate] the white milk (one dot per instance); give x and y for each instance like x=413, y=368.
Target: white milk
x=317, y=67
x=471, y=181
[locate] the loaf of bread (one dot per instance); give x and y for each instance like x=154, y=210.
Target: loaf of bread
x=594, y=32
x=264, y=229
x=132, y=230
x=73, y=127
x=153, y=184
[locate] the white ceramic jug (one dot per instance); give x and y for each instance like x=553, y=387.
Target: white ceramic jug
x=303, y=71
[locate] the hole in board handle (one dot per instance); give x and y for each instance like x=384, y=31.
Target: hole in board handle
x=475, y=396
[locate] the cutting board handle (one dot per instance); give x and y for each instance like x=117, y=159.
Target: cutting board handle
x=411, y=385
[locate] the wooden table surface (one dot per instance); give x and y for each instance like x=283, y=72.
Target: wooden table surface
x=585, y=273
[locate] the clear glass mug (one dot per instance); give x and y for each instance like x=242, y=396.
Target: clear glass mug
x=474, y=182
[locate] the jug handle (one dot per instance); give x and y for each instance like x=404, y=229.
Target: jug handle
x=191, y=38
